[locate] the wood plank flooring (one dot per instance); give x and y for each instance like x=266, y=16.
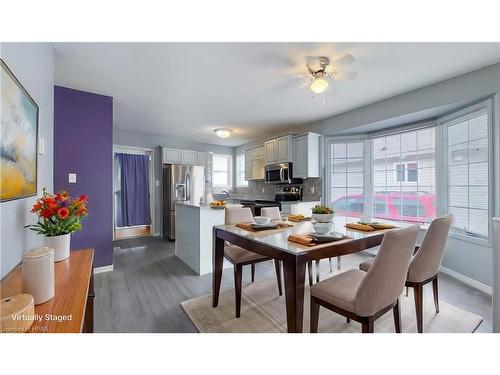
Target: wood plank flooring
x=144, y=292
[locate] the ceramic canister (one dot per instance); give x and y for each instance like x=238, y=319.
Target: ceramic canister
x=38, y=274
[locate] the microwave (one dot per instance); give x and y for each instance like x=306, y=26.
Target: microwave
x=279, y=174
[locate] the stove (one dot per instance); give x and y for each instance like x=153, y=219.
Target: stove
x=257, y=205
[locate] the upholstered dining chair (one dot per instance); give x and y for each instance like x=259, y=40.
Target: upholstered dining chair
x=424, y=267
x=240, y=257
x=274, y=214
x=366, y=296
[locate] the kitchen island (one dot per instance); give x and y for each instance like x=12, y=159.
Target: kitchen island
x=193, y=233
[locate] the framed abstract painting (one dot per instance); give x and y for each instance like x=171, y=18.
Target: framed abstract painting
x=18, y=138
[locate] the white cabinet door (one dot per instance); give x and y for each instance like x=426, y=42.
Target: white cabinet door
x=189, y=157
x=270, y=152
x=300, y=157
x=202, y=159
x=284, y=149
x=171, y=155
x=248, y=164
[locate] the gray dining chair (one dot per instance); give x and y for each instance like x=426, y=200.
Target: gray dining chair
x=366, y=296
x=424, y=267
x=240, y=257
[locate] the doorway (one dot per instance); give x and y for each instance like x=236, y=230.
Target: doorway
x=133, y=192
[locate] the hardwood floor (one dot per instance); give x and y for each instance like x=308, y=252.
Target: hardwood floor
x=139, y=231
x=144, y=292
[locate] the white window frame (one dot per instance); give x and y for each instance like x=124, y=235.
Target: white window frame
x=443, y=124
x=405, y=174
x=238, y=171
x=229, y=170
x=367, y=201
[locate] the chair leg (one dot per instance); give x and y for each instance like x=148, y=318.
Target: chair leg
x=348, y=320
x=314, y=316
x=367, y=325
x=397, y=317
x=253, y=272
x=436, y=296
x=309, y=272
x=237, y=288
x=406, y=291
x=338, y=263
x=317, y=271
x=418, y=293
x=277, y=266
x=330, y=262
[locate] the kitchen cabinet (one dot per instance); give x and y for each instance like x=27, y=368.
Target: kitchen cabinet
x=202, y=159
x=254, y=164
x=278, y=150
x=179, y=156
x=171, y=155
x=306, y=155
x=189, y=157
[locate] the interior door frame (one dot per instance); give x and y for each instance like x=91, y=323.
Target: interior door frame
x=138, y=151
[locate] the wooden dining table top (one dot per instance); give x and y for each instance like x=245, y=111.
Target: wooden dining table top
x=278, y=238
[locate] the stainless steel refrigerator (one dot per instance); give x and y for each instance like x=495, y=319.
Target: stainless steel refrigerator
x=181, y=183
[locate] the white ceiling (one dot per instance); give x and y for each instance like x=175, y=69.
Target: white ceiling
x=188, y=89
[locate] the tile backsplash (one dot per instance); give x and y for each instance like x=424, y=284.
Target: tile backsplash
x=258, y=189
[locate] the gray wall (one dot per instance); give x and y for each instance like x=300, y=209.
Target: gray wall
x=33, y=65
x=466, y=258
x=133, y=139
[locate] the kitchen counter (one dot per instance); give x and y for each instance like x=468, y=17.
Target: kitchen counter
x=193, y=233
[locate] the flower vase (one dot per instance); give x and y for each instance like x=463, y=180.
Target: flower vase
x=61, y=246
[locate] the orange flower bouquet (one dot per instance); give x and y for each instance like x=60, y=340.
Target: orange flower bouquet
x=59, y=215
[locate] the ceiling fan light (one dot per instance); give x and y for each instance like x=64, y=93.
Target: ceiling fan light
x=223, y=132
x=319, y=85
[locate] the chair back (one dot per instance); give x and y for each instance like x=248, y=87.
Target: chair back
x=385, y=280
x=429, y=256
x=271, y=212
x=235, y=215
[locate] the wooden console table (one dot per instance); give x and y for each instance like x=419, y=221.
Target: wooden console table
x=71, y=310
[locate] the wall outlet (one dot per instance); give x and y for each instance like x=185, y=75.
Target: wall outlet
x=72, y=178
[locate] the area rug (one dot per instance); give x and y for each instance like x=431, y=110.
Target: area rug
x=263, y=311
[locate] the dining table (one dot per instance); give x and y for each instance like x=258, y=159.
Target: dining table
x=274, y=243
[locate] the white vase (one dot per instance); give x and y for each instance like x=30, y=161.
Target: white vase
x=61, y=246
x=322, y=218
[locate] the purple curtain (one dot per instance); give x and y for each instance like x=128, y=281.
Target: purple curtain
x=133, y=198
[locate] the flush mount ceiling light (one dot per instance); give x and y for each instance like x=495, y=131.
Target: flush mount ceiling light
x=223, y=132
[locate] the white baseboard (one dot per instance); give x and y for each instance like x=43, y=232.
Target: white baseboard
x=467, y=280
x=103, y=269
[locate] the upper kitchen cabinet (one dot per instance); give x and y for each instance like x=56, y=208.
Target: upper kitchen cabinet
x=202, y=158
x=189, y=157
x=254, y=164
x=306, y=155
x=171, y=155
x=178, y=156
x=278, y=150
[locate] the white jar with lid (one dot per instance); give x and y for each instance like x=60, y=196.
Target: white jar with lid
x=38, y=274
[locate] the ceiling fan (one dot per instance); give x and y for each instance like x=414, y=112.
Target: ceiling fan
x=321, y=70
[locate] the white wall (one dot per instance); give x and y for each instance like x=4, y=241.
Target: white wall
x=33, y=65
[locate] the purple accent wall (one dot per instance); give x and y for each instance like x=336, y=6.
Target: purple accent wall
x=83, y=144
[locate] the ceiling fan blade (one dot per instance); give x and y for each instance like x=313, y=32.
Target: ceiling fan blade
x=346, y=76
x=344, y=60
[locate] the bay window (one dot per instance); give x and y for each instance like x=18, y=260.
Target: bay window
x=393, y=176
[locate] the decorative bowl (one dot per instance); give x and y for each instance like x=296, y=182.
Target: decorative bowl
x=262, y=220
x=323, y=228
x=323, y=218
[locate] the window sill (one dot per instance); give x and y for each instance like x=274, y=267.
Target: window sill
x=471, y=239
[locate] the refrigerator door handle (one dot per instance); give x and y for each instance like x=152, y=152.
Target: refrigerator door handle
x=188, y=186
